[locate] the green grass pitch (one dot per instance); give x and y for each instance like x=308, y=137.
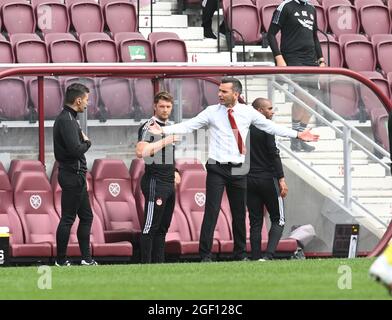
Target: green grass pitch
x=282, y=279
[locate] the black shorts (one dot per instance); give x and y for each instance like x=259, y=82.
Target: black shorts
x=308, y=82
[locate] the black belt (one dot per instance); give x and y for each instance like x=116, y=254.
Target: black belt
x=229, y=164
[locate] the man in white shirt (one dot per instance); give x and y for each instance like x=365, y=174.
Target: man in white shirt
x=228, y=123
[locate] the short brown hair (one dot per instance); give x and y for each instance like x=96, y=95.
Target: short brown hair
x=163, y=95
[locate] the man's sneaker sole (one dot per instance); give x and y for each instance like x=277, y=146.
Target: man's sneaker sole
x=92, y=263
x=66, y=263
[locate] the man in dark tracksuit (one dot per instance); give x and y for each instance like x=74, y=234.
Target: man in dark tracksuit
x=158, y=181
x=70, y=145
x=300, y=46
x=266, y=185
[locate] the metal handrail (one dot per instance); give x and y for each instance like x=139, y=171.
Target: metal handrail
x=336, y=117
x=343, y=207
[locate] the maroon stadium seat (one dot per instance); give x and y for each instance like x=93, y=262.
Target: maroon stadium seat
x=120, y=16
x=136, y=171
x=14, y=101
x=359, y=55
x=18, y=17
x=9, y=218
x=63, y=48
x=117, y=97
x=368, y=97
x=375, y=19
x=344, y=98
x=185, y=164
x=389, y=78
x=191, y=95
x=29, y=48
x=329, y=3
x=6, y=52
x=191, y=197
x=246, y=20
x=266, y=13
x=144, y=97
x=384, y=54
x=112, y=189
x=97, y=238
x=17, y=165
x=98, y=47
x=379, y=120
x=133, y=47
x=342, y=19
x=52, y=16
x=33, y=200
x=336, y=59
x=53, y=100
x=178, y=240
x=168, y=47
x=86, y=16
x=210, y=92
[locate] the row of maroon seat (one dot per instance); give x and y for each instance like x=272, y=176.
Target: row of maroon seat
x=19, y=16
x=92, y=47
x=359, y=53
x=110, y=98
x=367, y=16
x=30, y=206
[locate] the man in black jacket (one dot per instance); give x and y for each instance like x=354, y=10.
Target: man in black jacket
x=70, y=145
x=266, y=185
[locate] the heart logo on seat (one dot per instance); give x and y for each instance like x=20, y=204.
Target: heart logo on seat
x=200, y=199
x=114, y=189
x=35, y=201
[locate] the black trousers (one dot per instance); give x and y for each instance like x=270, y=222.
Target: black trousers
x=266, y=192
x=208, y=9
x=219, y=177
x=74, y=201
x=158, y=212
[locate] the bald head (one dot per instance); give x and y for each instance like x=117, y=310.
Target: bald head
x=264, y=106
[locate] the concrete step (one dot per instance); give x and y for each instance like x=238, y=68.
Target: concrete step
x=374, y=200
x=323, y=146
x=335, y=162
x=210, y=58
x=169, y=21
x=365, y=183
x=356, y=154
x=373, y=193
x=369, y=170
x=157, y=6
x=190, y=33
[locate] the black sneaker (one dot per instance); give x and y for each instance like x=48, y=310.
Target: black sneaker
x=209, y=34
x=306, y=147
x=89, y=263
x=206, y=259
x=295, y=145
x=65, y=263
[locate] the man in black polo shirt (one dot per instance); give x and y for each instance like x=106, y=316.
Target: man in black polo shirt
x=266, y=185
x=300, y=46
x=70, y=145
x=158, y=181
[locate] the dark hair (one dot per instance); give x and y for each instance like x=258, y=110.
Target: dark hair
x=163, y=95
x=260, y=103
x=74, y=91
x=237, y=86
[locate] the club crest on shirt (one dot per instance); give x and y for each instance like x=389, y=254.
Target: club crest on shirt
x=304, y=13
x=159, y=202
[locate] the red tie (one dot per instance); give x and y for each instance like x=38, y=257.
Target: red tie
x=236, y=132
